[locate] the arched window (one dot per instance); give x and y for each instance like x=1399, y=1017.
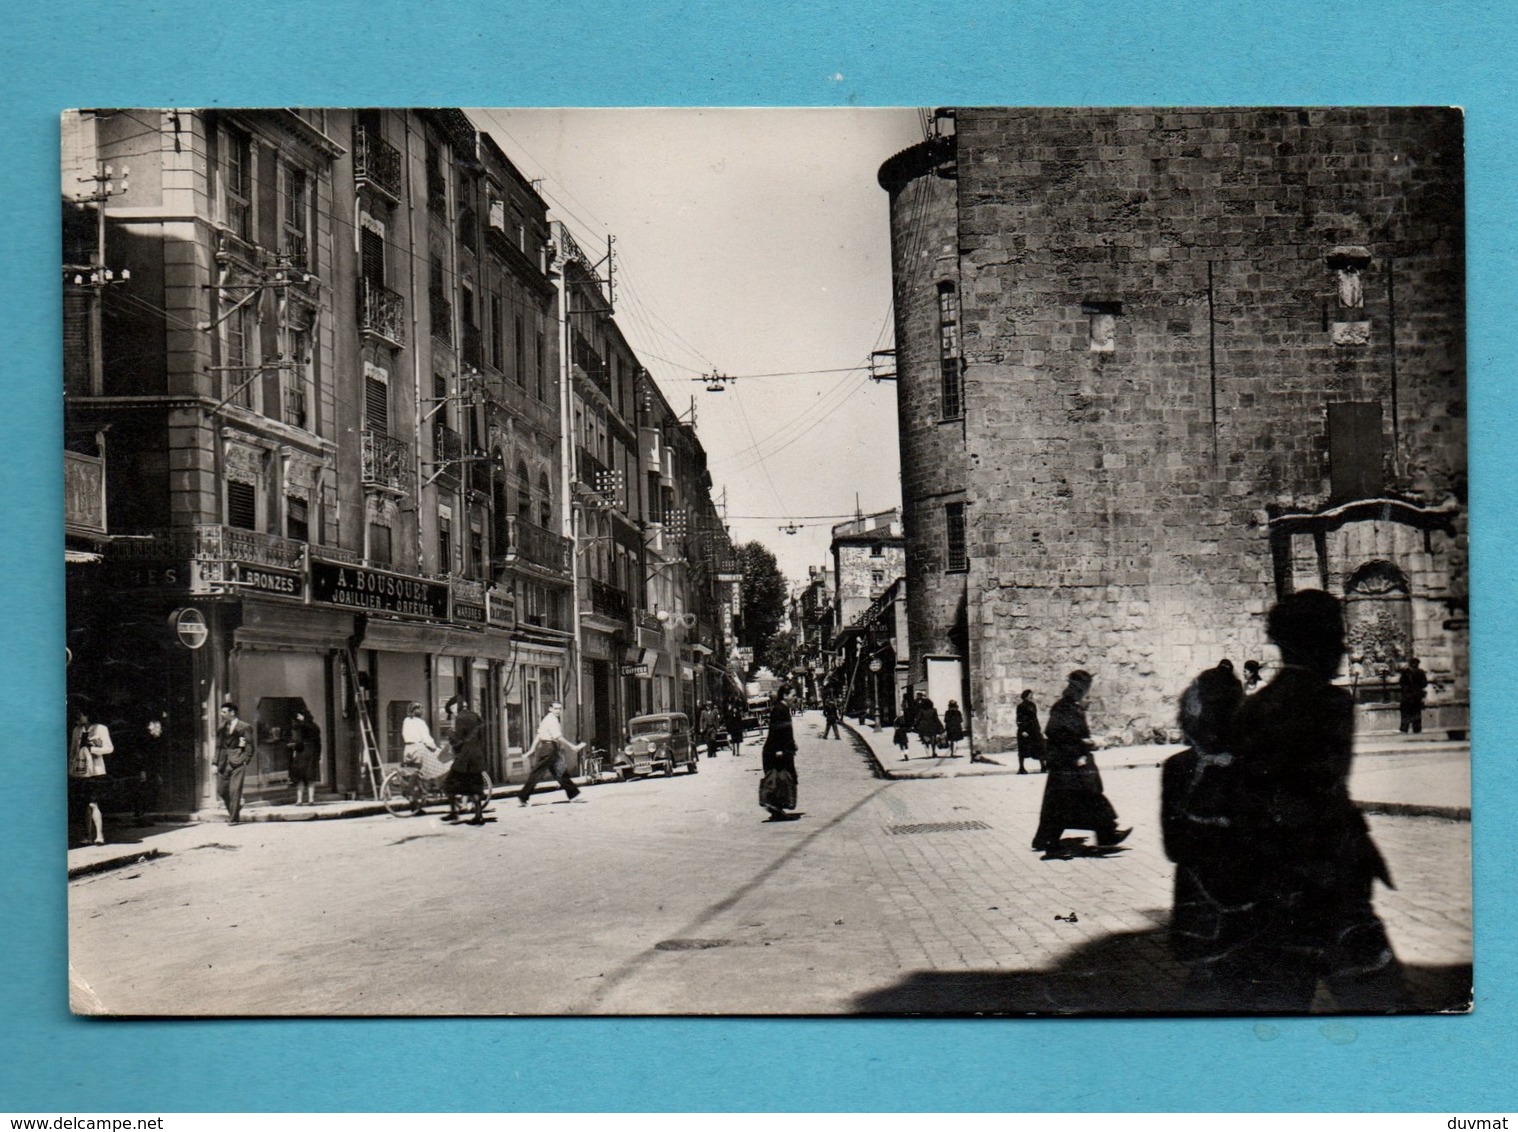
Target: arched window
x=545, y=503
x=524, y=493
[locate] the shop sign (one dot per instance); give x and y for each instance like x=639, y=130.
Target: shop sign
x=635, y=670
x=83, y=491
x=189, y=627
x=468, y=614
x=265, y=579
x=500, y=609
x=378, y=591
x=137, y=575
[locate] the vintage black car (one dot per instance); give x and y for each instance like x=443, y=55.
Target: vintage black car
x=656, y=743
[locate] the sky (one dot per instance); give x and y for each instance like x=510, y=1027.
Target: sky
x=748, y=243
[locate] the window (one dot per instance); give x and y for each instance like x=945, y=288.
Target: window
x=237, y=183
x=497, y=332
x=296, y=244
x=445, y=541
x=545, y=503
x=242, y=505
x=376, y=399
x=379, y=545
x=372, y=254
x=951, y=371
x=238, y=330
x=476, y=550
x=524, y=494
x=542, y=369
x=297, y=521
x=437, y=186
x=958, y=559
x=877, y=550
x=1356, y=450
x=520, y=373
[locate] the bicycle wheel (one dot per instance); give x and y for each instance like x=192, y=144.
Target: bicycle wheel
x=396, y=793
x=488, y=791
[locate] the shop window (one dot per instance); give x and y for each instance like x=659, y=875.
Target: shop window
x=242, y=505
x=958, y=559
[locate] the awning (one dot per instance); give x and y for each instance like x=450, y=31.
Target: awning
x=75, y=557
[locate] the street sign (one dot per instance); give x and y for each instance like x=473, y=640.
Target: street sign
x=189, y=627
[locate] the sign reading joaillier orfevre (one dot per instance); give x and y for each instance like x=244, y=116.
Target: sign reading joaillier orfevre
x=358, y=587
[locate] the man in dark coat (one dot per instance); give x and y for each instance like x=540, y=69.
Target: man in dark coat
x=1412, y=688
x=1073, y=795
x=777, y=786
x=1305, y=841
x=466, y=776
x=234, y=751
x=1030, y=736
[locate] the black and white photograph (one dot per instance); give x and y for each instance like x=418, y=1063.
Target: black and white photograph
x=944, y=561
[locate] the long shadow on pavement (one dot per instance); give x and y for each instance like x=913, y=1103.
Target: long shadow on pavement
x=1122, y=973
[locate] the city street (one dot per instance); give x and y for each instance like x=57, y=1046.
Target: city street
x=678, y=896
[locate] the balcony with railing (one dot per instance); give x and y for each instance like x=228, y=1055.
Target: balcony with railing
x=388, y=463
x=607, y=600
x=230, y=246
x=447, y=452
x=377, y=164
x=529, y=543
x=381, y=313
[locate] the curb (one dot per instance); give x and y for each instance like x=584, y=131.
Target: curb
x=111, y=863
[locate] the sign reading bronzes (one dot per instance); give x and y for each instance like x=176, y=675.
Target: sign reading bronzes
x=379, y=591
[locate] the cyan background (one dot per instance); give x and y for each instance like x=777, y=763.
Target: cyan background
x=666, y=52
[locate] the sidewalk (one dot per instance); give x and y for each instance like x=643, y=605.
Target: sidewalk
x=1395, y=774
x=167, y=834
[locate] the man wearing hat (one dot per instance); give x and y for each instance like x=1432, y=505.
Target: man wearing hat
x=1073, y=795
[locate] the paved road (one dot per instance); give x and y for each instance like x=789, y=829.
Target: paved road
x=677, y=896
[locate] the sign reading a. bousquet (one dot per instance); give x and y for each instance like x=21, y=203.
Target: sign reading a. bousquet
x=378, y=591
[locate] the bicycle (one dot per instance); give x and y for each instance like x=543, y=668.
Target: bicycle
x=406, y=790
x=592, y=763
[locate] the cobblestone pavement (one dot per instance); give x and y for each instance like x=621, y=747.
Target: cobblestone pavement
x=675, y=896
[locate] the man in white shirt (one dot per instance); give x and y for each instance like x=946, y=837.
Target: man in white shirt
x=548, y=756
x=89, y=743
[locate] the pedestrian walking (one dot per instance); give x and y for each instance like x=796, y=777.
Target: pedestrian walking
x=777, y=787
x=712, y=732
x=1073, y=794
x=929, y=728
x=548, y=751
x=1030, y=736
x=830, y=718
x=1214, y=888
x=234, y=751
x=733, y=718
x=901, y=736
x=305, y=747
x=89, y=744
x=953, y=727
x=1308, y=845
x=466, y=774
x=1412, y=688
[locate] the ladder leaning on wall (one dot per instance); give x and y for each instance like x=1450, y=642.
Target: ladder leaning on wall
x=369, y=743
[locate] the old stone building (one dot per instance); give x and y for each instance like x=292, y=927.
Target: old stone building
x=1158, y=368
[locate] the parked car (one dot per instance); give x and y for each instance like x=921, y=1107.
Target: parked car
x=659, y=742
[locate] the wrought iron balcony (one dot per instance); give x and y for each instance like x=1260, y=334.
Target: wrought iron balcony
x=377, y=163
x=609, y=601
x=530, y=543
x=381, y=312
x=387, y=462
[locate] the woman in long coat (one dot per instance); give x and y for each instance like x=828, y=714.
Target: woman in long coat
x=953, y=727
x=1073, y=795
x=466, y=776
x=305, y=757
x=1030, y=736
x=928, y=726
x=777, y=787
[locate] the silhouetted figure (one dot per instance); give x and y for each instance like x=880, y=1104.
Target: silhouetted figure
x=777, y=787
x=1300, y=835
x=1030, y=736
x=1412, y=688
x=1214, y=892
x=929, y=728
x=1251, y=675
x=1073, y=795
x=953, y=727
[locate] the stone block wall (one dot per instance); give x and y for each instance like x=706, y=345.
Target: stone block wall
x=1159, y=306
